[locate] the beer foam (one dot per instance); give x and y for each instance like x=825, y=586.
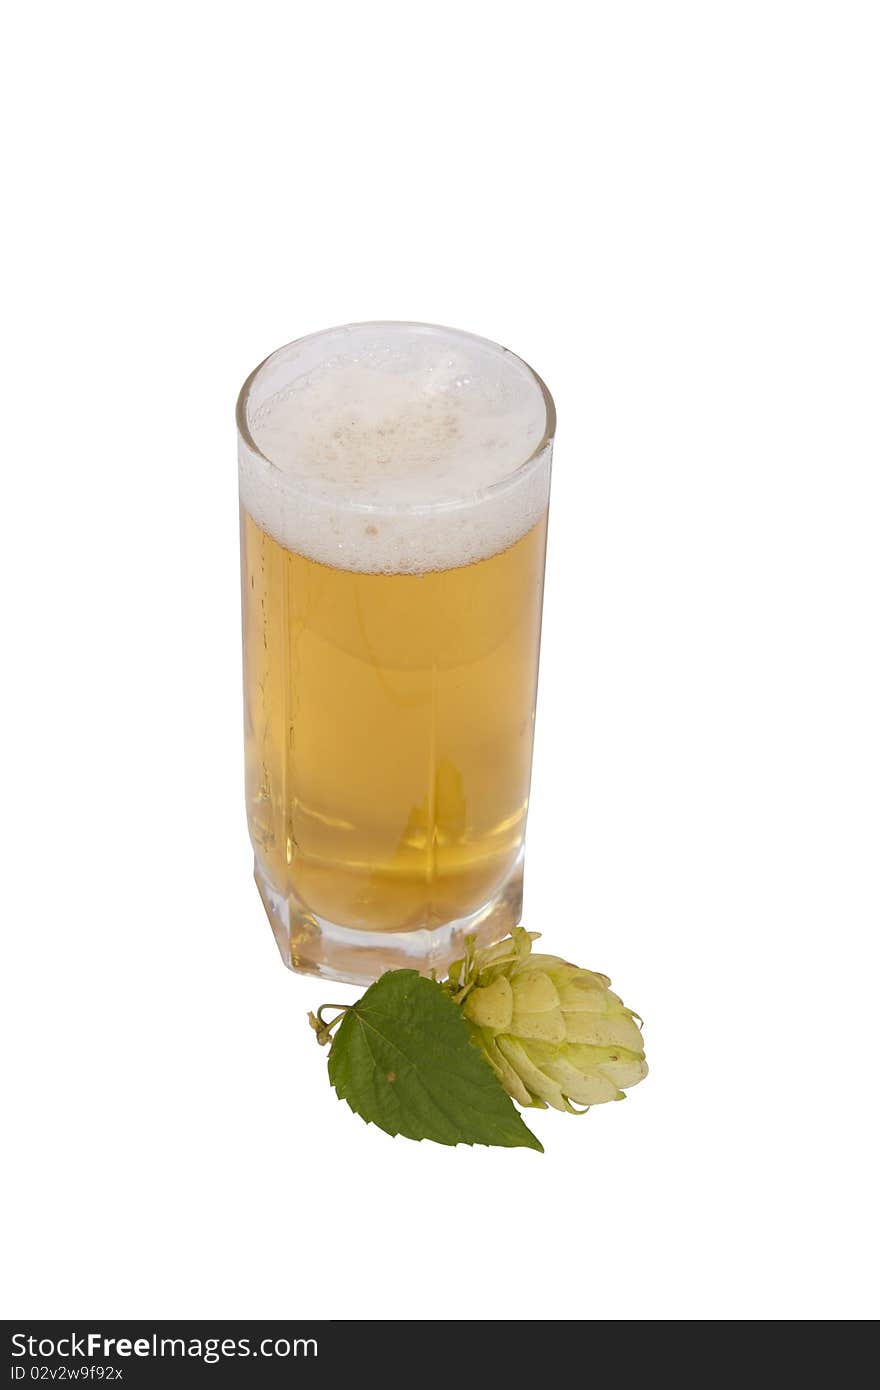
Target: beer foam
x=394, y=448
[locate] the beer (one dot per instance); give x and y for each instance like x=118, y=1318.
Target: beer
x=393, y=526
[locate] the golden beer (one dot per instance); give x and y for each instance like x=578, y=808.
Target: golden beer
x=389, y=691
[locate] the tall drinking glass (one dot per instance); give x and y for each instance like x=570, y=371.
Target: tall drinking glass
x=394, y=482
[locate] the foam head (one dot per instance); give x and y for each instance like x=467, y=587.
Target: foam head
x=394, y=447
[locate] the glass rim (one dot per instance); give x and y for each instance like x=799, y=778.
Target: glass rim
x=304, y=485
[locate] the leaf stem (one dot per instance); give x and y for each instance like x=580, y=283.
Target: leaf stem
x=322, y=1027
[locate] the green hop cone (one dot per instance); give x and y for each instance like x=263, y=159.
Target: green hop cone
x=551, y=1032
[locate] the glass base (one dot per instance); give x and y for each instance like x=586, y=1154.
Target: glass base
x=314, y=946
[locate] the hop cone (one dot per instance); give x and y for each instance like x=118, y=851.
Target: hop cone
x=552, y=1033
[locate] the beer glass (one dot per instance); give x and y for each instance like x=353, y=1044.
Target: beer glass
x=394, y=484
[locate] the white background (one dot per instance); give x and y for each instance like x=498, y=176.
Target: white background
x=672, y=211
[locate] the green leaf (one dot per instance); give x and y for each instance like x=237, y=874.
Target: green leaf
x=403, y=1059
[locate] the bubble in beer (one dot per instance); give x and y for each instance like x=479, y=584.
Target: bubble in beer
x=395, y=448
